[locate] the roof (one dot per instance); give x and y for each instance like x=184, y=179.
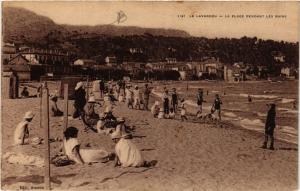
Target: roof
x=86, y=60
x=18, y=55
x=17, y=68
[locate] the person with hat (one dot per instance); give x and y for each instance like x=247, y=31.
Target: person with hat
x=217, y=106
x=101, y=126
x=174, y=99
x=155, y=109
x=146, y=96
x=81, y=156
x=199, y=101
x=22, y=131
x=107, y=100
x=270, y=126
x=80, y=101
x=110, y=119
x=136, y=97
x=90, y=116
x=127, y=153
x=55, y=112
x=129, y=96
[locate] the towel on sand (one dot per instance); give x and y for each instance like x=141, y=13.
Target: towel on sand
x=22, y=159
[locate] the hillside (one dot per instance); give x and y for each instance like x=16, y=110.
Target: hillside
x=21, y=25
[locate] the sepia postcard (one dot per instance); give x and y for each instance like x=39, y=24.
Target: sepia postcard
x=162, y=95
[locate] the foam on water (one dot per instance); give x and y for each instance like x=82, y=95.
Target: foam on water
x=260, y=96
x=288, y=130
x=230, y=114
x=287, y=110
x=252, y=123
x=261, y=114
x=292, y=111
x=286, y=100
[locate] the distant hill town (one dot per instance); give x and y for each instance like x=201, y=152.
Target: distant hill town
x=37, y=40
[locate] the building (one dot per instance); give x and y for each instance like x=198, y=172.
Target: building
x=278, y=56
x=111, y=60
x=136, y=50
x=171, y=60
x=85, y=63
x=208, y=67
x=289, y=72
x=45, y=56
x=23, y=68
x=234, y=73
x=9, y=51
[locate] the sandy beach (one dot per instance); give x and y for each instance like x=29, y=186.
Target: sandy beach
x=191, y=156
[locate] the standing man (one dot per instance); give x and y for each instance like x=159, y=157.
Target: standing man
x=270, y=126
x=166, y=101
x=146, y=95
x=80, y=100
x=217, y=106
x=174, y=100
x=102, y=88
x=199, y=100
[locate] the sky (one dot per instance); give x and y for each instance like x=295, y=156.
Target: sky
x=170, y=15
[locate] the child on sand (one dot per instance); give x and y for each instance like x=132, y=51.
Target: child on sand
x=137, y=97
x=183, y=110
x=25, y=93
x=155, y=109
x=161, y=114
x=21, y=131
x=217, y=106
x=172, y=113
x=55, y=112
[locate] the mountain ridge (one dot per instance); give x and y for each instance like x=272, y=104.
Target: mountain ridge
x=21, y=25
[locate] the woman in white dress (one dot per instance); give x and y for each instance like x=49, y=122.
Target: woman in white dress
x=129, y=97
x=127, y=153
x=137, y=97
x=81, y=156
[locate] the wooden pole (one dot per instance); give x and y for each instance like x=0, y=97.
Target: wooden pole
x=66, y=99
x=87, y=87
x=40, y=93
x=45, y=125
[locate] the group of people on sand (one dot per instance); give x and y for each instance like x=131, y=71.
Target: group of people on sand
x=126, y=153
x=172, y=99
x=137, y=99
